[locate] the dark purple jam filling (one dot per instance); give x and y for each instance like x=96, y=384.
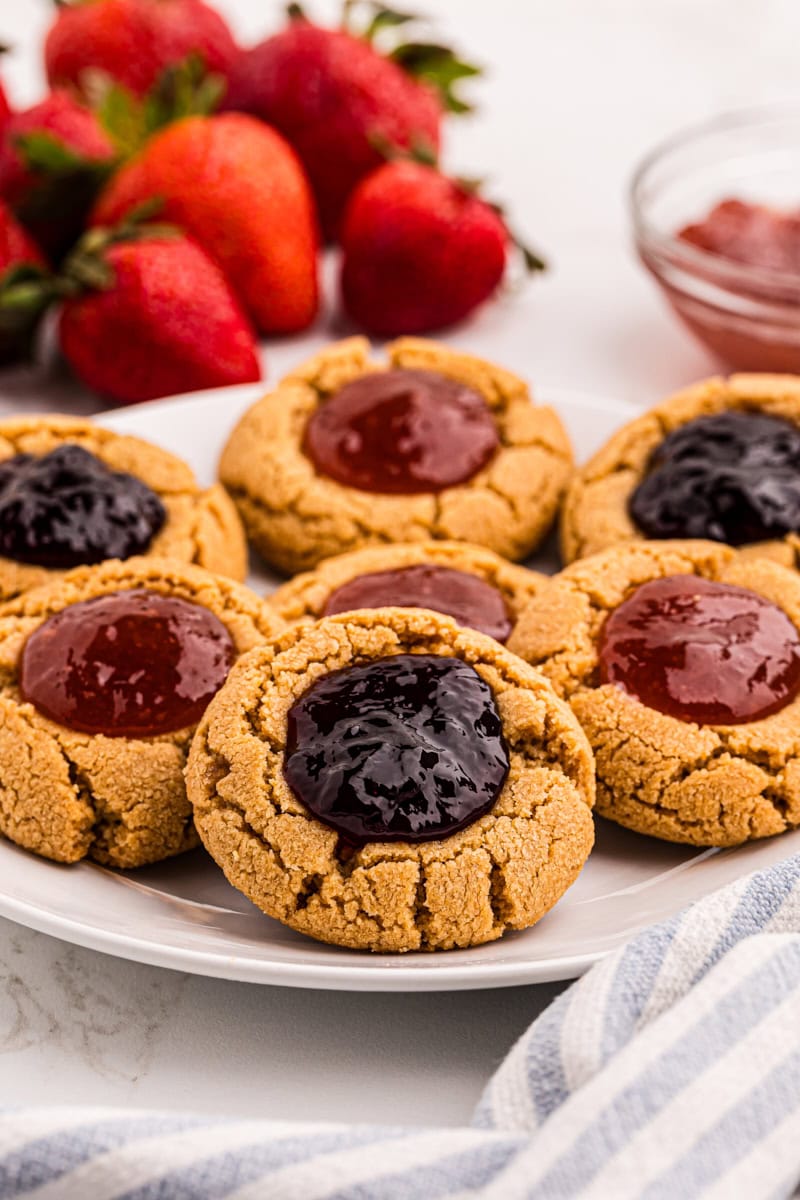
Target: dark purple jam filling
x=68, y=508
x=403, y=749
x=733, y=477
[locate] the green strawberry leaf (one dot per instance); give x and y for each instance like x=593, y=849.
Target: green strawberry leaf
x=42, y=152
x=369, y=18
x=386, y=18
x=439, y=66
x=295, y=12
x=184, y=90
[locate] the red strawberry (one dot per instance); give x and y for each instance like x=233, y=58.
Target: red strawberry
x=133, y=41
x=238, y=189
x=152, y=316
x=332, y=94
x=52, y=158
x=419, y=250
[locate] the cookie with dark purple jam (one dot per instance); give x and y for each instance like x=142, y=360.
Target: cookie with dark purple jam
x=74, y=494
x=388, y=780
x=719, y=461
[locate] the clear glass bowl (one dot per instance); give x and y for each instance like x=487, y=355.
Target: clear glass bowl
x=748, y=316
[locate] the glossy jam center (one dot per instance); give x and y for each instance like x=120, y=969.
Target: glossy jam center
x=702, y=651
x=465, y=597
x=749, y=233
x=131, y=664
x=402, y=432
x=68, y=508
x=733, y=477
x=408, y=749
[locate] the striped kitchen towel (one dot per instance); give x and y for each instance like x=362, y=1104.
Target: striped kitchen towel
x=671, y=1070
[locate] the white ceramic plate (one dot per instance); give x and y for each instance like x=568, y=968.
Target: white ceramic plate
x=183, y=914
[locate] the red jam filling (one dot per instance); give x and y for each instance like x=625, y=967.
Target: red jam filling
x=753, y=234
x=131, y=664
x=703, y=652
x=465, y=597
x=762, y=336
x=402, y=432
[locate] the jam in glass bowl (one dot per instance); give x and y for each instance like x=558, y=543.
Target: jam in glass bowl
x=716, y=216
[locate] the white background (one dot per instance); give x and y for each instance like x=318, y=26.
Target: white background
x=576, y=92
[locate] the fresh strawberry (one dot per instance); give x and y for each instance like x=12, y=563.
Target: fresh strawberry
x=52, y=159
x=19, y=257
x=237, y=188
x=133, y=41
x=333, y=94
x=148, y=314
x=419, y=250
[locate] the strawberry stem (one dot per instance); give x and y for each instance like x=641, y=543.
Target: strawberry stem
x=86, y=268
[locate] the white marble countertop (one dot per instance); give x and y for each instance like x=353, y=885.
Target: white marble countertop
x=577, y=91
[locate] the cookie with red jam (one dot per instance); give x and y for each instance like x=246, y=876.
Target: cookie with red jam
x=681, y=660
x=719, y=460
x=476, y=587
x=432, y=445
x=104, y=675
x=388, y=780
x=74, y=494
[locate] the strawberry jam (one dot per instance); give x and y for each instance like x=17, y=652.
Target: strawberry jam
x=733, y=477
x=457, y=593
x=131, y=664
x=754, y=234
x=68, y=508
x=701, y=651
x=402, y=432
x=406, y=749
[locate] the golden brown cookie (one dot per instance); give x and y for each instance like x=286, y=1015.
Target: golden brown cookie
x=119, y=800
x=504, y=871
x=707, y=785
x=295, y=516
x=304, y=598
x=595, y=513
x=201, y=527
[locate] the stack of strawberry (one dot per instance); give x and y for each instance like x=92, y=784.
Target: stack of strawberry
x=155, y=115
